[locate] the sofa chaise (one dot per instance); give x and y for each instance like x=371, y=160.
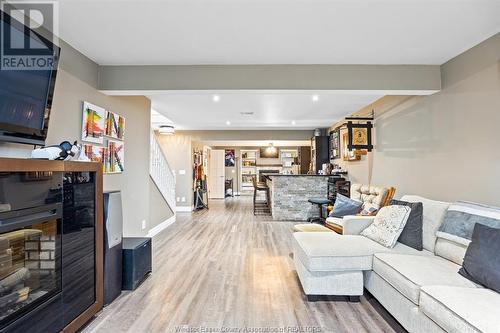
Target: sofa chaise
x=421, y=289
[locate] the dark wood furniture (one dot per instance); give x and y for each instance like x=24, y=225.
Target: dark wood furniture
x=304, y=159
x=72, y=322
x=263, y=207
x=320, y=153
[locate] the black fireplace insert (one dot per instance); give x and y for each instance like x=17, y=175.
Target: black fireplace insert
x=31, y=213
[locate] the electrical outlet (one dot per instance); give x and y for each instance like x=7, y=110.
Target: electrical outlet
x=143, y=226
x=183, y=199
x=178, y=199
x=182, y=172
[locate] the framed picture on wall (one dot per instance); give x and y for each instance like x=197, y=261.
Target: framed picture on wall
x=93, y=123
x=115, y=125
x=114, y=162
x=96, y=153
x=230, y=158
x=347, y=154
x=335, y=144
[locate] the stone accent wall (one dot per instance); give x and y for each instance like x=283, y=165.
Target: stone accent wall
x=290, y=194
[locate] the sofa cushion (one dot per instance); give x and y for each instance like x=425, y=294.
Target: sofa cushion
x=481, y=262
x=434, y=212
x=328, y=251
x=458, y=309
x=408, y=273
x=461, y=217
x=388, y=225
x=450, y=250
x=412, y=232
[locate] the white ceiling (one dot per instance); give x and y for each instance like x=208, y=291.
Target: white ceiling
x=276, y=31
x=271, y=109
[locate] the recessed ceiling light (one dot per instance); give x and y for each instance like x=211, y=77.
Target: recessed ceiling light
x=228, y=123
x=293, y=122
x=216, y=98
x=315, y=98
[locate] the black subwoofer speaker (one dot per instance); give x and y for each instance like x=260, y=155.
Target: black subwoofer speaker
x=136, y=261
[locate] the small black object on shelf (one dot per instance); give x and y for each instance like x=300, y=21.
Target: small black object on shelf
x=137, y=261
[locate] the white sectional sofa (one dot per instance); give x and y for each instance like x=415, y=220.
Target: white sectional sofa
x=421, y=289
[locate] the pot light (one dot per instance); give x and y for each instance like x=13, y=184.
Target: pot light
x=293, y=122
x=228, y=123
x=166, y=130
x=315, y=98
x=216, y=98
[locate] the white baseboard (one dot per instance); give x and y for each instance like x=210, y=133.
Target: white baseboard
x=183, y=209
x=162, y=226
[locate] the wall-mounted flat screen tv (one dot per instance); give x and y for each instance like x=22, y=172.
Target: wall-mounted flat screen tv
x=25, y=94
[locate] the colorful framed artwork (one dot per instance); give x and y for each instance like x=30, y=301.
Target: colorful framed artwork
x=230, y=159
x=93, y=123
x=115, y=161
x=115, y=125
x=96, y=153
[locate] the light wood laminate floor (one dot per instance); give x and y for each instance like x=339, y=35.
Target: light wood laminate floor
x=225, y=268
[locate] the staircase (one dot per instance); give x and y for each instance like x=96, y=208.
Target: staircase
x=161, y=173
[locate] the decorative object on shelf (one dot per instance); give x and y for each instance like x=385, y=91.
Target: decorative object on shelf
x=63, y=151
x=115, y=162
x=348, y=155
x=335, y=144
x=115, y=126
x=360, y=136
x=230, y=158
x=93, y=123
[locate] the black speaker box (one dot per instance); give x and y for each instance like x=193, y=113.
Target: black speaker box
x=136, y=261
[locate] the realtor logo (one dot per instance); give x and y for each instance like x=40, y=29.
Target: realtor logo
x=28, y=36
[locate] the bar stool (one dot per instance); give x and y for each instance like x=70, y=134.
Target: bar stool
x=261, y=206
x=320, y=202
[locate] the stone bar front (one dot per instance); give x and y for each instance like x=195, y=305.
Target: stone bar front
x=289, y=195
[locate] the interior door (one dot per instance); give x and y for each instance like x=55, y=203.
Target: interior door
x=216, y=174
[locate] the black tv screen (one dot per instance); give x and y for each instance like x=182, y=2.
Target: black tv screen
x=25, y=94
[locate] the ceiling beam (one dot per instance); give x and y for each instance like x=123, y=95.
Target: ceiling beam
x=405, y=78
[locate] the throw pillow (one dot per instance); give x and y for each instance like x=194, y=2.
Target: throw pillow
x=481, y=263
x=370, y=209
x=345, y=206
x=388, y=225
x=413, y=230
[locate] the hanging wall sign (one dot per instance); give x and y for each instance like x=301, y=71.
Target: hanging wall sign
x=360, y=136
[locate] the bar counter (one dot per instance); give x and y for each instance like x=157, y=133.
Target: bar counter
x=289, y=195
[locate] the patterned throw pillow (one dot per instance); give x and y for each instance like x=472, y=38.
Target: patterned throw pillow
x=388, y=225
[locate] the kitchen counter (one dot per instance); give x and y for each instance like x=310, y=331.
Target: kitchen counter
x=289, y=195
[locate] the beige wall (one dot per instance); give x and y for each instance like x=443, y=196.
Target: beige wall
x=444, y=146
x=65, y=124
x=75, y=84
x=159, y=210
x=178, y=151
